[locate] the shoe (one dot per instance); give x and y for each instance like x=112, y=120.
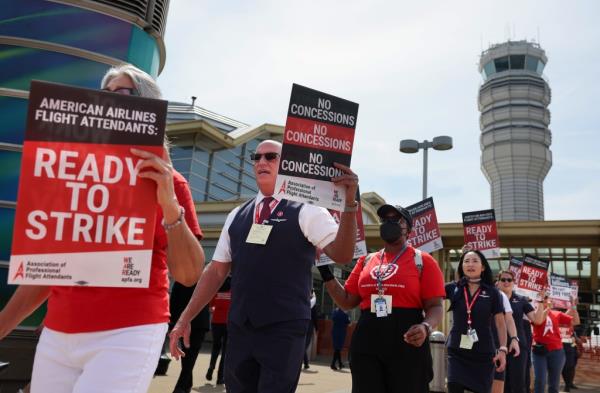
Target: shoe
x=220, y=381
x=180, y=390
x=333, y=367
x=306, y=366
x=209, y=374
x=573, y=386
x=342, y=365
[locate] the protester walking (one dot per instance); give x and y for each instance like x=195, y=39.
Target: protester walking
x=219, y=307
x=399, y=290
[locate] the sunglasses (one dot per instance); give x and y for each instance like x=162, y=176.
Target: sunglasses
x=126, y=91
x=506, y=279
x=268, y=156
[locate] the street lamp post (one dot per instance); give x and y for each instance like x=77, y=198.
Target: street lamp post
x=412, y=146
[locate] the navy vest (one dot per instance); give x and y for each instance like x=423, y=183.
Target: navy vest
x=272, y=282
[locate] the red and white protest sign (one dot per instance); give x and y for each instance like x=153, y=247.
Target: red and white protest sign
x=533, y=278
x=425, y=234
x=360, y=247
x=560, y=291
x=83, y=216
x=515, y=267
x=318, y=132
x=480, y=232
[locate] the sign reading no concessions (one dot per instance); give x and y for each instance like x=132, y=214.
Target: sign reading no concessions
x=318, y=132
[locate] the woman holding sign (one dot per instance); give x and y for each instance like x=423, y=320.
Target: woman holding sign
x=475, y=304
x=548, y=356
x=108, y=339
x=399, y=290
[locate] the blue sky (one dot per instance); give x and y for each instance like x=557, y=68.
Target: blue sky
x=412, y=67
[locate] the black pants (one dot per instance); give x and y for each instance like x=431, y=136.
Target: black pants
x=380, y=360
x=219, y=346
x=514, y=380
x=568, y=371
x=528, y=341
x=309, y=336
x=454, y=387
x=337, y=357
x=185, y=382
x=264, y=359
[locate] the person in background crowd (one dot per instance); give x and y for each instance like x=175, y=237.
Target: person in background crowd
x=271, y=277
x=399, y=290
x=548, y=356
x=567, y=335
x=513, y=344
x=475, y=304
x=312, y=326
x=101, y=339
x=338, y=336
x=218, y=326
x=180, y=296
x=516, y=365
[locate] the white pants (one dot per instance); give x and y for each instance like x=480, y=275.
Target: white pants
x=111, y=361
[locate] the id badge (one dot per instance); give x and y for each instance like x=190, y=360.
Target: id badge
x=465, y=342
x=472, y=335
x=259, y=234
x=381, y=305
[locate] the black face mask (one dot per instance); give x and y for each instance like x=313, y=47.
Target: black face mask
x=390, y=232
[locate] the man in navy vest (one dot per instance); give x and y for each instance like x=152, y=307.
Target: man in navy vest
x=271, y=278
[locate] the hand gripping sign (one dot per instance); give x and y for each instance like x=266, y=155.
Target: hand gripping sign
x=83, y=216
x=318, y=132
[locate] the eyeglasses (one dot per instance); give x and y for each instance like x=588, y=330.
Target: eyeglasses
x=268, y=156
x=126, y=91
x=506, y=279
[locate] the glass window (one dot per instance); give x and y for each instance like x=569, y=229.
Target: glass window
x=199, y=168
x=531, y=63
x=517, y=62
x=7, y=218
x=558, y=267
x=572, y=270
x=10, y=165
x=540, y=67
x=501, y=64
x=201, y=156
x=181, y=152
x=489, y=69
x=224, y=182
x=586, y=268
x=182, y=165
x=197, y=183
x=13, y=112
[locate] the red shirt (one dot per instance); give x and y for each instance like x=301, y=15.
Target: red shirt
x=90, y=309
x=220, y=307
x=548, y=333
x=401, y=281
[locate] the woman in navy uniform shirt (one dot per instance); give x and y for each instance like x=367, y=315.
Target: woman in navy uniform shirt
x=516, y=366
x=475, y=305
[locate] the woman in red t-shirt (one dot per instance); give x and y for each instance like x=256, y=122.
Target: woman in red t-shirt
x=399, y=291
x=104, y=339
x=548, y=355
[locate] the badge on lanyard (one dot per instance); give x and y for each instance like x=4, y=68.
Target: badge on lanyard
x=465, y=342
x=381, y=305
x=471, y=333
x=259, y=234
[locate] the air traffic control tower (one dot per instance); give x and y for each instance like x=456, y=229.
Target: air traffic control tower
x=515, y=139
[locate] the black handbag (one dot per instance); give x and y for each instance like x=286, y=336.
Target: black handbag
x=539, y=349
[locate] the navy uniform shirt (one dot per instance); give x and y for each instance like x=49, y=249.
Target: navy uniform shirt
x=488, y=304
x=520, y=306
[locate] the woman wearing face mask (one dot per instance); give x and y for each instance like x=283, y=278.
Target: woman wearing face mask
x=475, y=304
x=399, y=290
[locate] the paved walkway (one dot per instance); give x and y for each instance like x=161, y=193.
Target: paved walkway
x=319, y=378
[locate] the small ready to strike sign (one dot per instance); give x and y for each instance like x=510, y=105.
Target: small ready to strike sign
x=318, y=132
x=83, y=215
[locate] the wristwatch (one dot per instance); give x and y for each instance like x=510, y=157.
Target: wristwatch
x=427, y=326
x=515, y=338
x=503, y=349
x=351, y=208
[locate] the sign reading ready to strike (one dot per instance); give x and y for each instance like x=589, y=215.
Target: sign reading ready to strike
x=318, y=132
x=480, y=232
x=83, y=216
x=426, y=234
x=533, y=278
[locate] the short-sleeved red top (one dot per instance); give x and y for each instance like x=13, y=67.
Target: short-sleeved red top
x=401, y=281
x=548, y=333
x=220, y=307
x=90, y=309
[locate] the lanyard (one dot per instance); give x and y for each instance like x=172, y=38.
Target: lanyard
x=379, y=275
x=470, y=305
x=272, y=206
